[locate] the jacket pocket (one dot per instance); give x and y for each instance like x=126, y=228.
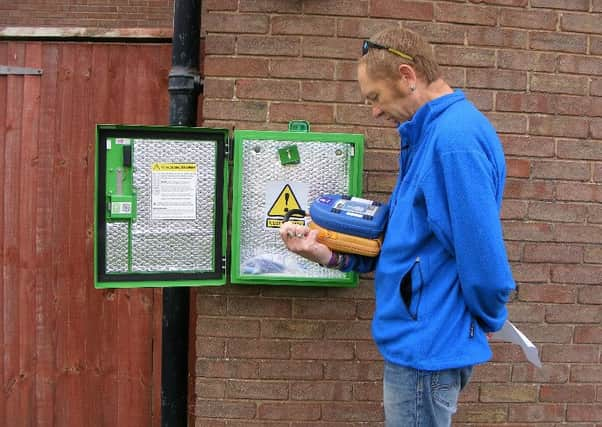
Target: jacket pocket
x=410, y=289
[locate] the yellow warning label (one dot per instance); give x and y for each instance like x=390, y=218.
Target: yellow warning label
x=277, y=222
x=285, y=201
x=174, y=167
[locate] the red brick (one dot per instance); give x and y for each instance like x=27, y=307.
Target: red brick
x=571, y=85
x=409, y=10
x=465, y=14
x=230, y=5
x=379, y=182
x=536, y=190
x=463, y=56
x=454, y=76
x=524, y=272
x=213, y=389
x=528, y=313
x=485, y=36
x=218, y=44
x=531, y=146
x=514, y=209
x=207, y=347
x=586, y=373
x=496, y=79
x=227, y=327
x=491, y=372
x=528, y=19
x=225, y=409
x=596, y=5
x=353, y=371
x=239, y=23
x=580, y=274
x=482, y=99
x=356, y=330
x=235, y=110
x=583, y=413
x=323, y=350
x=213, y=305
x=536, y=413
x=303, y=25
x=548, y=373
x=561, y=4
x=219, y=88
x=517, y=168
x=219, y=66
x=323, y=391
x=527, y=60
x=567, y=393
x=367, y=350
x=380, y=161
x=596, y=87
x=510, y=123
x=515, y=3
x=309, y=309
x=588, y=334
x=328, y=47
x=579, y=149
x=292, y=411
x=271, y=89
x=525, y=102
x=292, y=329
x=596, y=128
x=314, y=113
x=593, y=255
x=557, y=212
x=268, y=45
x=290, y=370
x=437, y=32
x=341, y=7
x=557, y=42
x=561, y=170
x=574, y=64
x=569, y=353
x=276, y=6
x=353, y=412
x=257, y=349
x=553, y=252
x=368, y=391
x=545, y=333
x=528, y=231
x=546, y=293
x=302, y=68
x=579, y=192
x=563, y=126
x=579, y=234
x=361, y=28
x=508, y=393
x=227, y=368
x=359, y=115
x=478, y=414
x=256, y=390
x=581, y=22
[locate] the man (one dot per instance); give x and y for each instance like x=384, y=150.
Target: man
x=442, y=278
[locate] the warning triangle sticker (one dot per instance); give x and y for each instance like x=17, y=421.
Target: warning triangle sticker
x=285, y=202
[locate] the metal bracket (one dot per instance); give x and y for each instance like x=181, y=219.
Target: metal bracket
x=6, y=70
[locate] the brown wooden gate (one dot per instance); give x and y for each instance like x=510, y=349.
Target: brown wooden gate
x=71, y=355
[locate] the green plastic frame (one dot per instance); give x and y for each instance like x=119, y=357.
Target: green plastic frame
x=355, y=187
x=217, y=278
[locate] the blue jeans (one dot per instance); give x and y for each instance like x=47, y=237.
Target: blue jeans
x=415, y=398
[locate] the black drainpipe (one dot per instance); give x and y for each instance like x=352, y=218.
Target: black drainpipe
x=184, y=88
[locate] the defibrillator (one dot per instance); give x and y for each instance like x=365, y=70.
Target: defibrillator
x=347, y=224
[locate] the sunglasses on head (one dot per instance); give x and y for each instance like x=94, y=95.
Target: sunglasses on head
x=367, y=45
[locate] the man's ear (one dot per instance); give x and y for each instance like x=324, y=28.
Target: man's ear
x=408, y=74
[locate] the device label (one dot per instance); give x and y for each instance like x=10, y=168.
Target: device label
x=173, y=192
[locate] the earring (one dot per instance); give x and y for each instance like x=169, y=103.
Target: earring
x=412, y=88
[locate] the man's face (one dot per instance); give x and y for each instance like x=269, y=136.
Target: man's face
x=389, y=98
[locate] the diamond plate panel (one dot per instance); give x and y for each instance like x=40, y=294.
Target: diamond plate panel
x=116, y=251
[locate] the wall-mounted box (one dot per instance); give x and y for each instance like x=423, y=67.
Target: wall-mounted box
x=161, y=203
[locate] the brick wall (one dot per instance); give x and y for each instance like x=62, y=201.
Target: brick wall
x=283, y=356
x=87, y=13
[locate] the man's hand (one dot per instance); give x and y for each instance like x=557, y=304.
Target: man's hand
x=303, y=241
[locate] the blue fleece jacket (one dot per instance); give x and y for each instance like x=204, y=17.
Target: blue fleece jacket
x=442, y=278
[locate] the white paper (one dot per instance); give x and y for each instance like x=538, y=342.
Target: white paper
x=511, y=333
